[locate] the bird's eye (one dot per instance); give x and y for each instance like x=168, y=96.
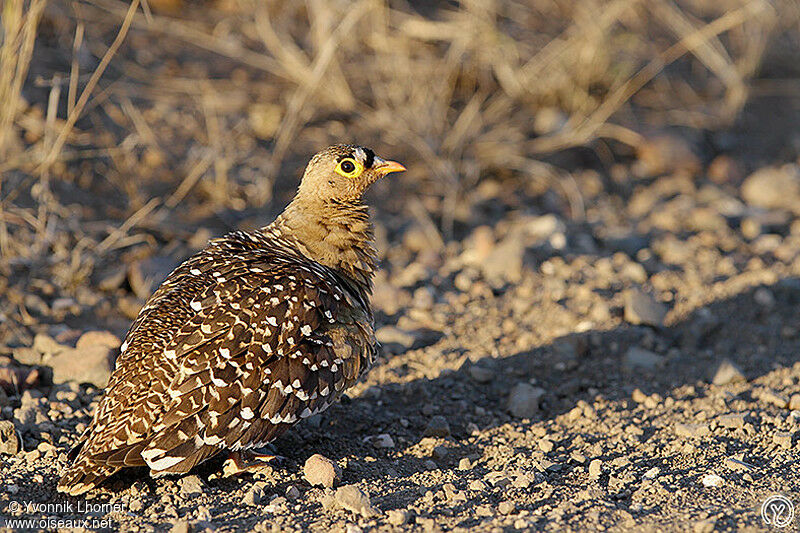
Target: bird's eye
x=349, y=168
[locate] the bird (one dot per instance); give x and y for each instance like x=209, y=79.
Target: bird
x=252, y=334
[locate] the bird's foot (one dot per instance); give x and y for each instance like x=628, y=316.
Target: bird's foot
x=249, y=462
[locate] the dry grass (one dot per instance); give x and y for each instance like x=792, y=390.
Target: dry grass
x=212, y=106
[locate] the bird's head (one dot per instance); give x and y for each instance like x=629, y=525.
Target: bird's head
x=344, y=172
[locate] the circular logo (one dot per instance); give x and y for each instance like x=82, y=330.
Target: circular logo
x=777, y=510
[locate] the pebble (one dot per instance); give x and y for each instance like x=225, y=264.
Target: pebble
x=506, y=507
x=397, y=517
x=732, y=421
x=523, y=402
x=726, y=373
x=353, y=499
x=440, y=453
x=772, y=397
x=477, y=485
x=641, y=308
x=321, y=471
x=9, y=442
x=641, y=358
x=437, y=427
x=773, y=187
x=691, y=430
x=652, y=473
x=712, y=480
x=180, y=526
x=546, y=445
x=384, y=440
x=464, y=464
x=481, y=374
x=190, y=486
x=595, y=467
x=794, y=402
x=256, y=495
x=292, y=492
x=783, y=439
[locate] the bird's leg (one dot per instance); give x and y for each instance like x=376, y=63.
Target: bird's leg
x=249, y=462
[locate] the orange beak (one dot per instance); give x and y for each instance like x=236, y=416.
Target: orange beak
x=387, y=167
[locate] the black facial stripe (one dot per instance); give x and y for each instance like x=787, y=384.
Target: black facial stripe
x=370, y=158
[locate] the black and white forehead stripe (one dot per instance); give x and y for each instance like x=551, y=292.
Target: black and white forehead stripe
x=365, y=156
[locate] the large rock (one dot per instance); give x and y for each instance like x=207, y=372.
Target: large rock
x=773, y=187
x=91, y=361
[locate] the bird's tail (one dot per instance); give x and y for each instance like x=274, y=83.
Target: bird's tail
x=84, y=475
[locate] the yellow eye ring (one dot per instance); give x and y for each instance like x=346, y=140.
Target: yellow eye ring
x=349, y=168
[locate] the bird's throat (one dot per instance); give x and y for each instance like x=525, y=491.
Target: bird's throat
x=336, y=234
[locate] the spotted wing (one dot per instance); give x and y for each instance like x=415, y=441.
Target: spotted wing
x=266, y=348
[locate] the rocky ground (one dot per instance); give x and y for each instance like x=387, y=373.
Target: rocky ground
x=603, y=339
x=636, y=370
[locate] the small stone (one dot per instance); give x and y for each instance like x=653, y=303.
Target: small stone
x=384, y=440
x=484, y=511
x=523, y=402
x=595, y=467
x=546, y=445
x=794, y=402
x=638, y=396
x=440, y=453
x=770, y=396
x=477, y=485
x=773, y=187
x=397, y=517
x=464, y=464
x=652, y=473
x=437, y=427
x=641, y=308
x=430, y=465
x=292, y=492
x=712, y=480
x=256, y=495
x=691, y=430
x=481, y=374
x=732, y=421
x=190, y=486
x=321, y=471
x=641, y=358
x=353, y=499
x=783, y=439
x=180, y=526
x=9, y=442
x=506, y=507
x=726, y=373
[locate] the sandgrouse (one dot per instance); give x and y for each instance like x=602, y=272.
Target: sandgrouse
x=247, y=337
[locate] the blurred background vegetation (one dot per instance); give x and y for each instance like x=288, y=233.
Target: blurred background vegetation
x=138, y=130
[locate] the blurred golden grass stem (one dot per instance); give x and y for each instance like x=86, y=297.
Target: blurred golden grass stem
x=19, y=23
x=72, y=118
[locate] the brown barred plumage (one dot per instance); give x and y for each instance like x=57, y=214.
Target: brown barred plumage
x=252, y=334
